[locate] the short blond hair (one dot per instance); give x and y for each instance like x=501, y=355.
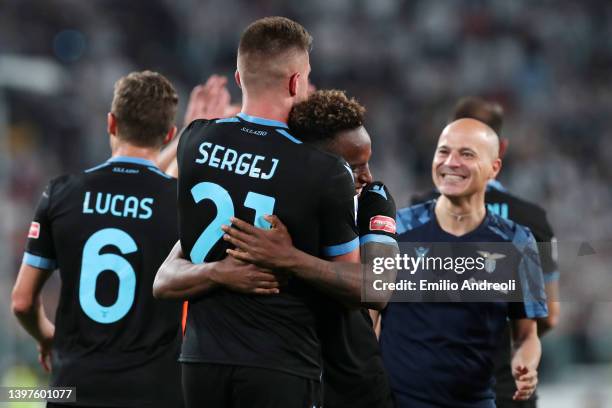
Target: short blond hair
x=266, y=45
x=145, y=105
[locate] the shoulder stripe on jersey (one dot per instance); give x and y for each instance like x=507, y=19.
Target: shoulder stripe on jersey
x=262, y=121
x=341, y=249
x=38, y=261
x=412, y=217
x=379, y=238
x=227, y=120
x=379, y=190
x=496, y=230
x=288, y=136
x=161, y=173
x=98, y=167
x=496, y=185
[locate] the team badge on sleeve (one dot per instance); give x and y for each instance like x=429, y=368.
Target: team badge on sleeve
x=382, y=223
x=34, y=230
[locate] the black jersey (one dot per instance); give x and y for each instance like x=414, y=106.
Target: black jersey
x=509, y=206
x=108, y=230
x=248, y=167
x=353, y=372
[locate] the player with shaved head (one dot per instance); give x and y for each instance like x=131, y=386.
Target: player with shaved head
x=502, y=202
x=441, y=353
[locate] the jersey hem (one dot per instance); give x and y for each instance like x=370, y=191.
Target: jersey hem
x=188, y=359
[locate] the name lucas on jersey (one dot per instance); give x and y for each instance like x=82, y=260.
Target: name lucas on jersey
x=118, y=205
x=224, y=158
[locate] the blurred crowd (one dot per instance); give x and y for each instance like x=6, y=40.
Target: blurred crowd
x=549, y=63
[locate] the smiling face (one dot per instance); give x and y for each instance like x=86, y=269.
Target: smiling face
x=355, y=147
x=466, y=158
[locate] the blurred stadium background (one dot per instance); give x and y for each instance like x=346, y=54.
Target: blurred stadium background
x=548, y=62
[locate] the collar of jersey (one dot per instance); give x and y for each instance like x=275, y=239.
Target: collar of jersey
x=132, y=160
x=465, y=237
x=262, y=121
x=495, y=185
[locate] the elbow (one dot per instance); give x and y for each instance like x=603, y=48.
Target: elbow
x=548, y=323
x=21, y=305
x=160, y=290
x=551, y=321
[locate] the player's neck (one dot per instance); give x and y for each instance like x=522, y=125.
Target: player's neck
x=266, y=107
x=460, y=216
x=122, y=149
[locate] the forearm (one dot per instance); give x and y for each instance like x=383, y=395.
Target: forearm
x=168, y=155
x=340, y=280
x=377, y=299
x=528, y=351
x=35, y=321
x=178, y=278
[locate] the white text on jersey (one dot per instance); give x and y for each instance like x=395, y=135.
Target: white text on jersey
x=118, y=205
x=228, y=159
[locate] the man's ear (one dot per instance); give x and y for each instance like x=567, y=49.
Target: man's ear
x=170, y=135
x=111, y=124
x=294, y=83
x=237, y=78
x=503, y=147
x=497, y=165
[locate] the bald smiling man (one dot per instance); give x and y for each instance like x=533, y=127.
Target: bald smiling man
x=439, y=353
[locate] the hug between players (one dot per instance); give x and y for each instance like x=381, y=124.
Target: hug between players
x=230, y=263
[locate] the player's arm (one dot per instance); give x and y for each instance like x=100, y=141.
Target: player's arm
x=273, y=249
x=377, y=241
x=548, y=254
x=28, y=308
x=545, y=324
x=527, y=350
x=207, y=101
x=39, y=261
x=178, y=278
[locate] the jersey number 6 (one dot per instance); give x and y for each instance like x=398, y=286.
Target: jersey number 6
x=94, y=263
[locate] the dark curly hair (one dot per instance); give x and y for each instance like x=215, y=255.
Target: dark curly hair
x=325, y=113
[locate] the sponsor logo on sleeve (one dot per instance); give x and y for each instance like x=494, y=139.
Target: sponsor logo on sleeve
x=382, y=223
x=34, y=232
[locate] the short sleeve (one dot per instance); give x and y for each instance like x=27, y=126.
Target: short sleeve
x=531, y=278
x=547, y=243
x=376, y=215
x=40, y=250
x=337, y=212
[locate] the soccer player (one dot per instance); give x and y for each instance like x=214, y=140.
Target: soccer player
x=260, y=351
x=441, y=354
x=503, y=203
x=353, y=374
x=108, y=229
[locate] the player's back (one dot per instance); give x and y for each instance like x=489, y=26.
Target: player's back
x=109, y=228
x=248, y=167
